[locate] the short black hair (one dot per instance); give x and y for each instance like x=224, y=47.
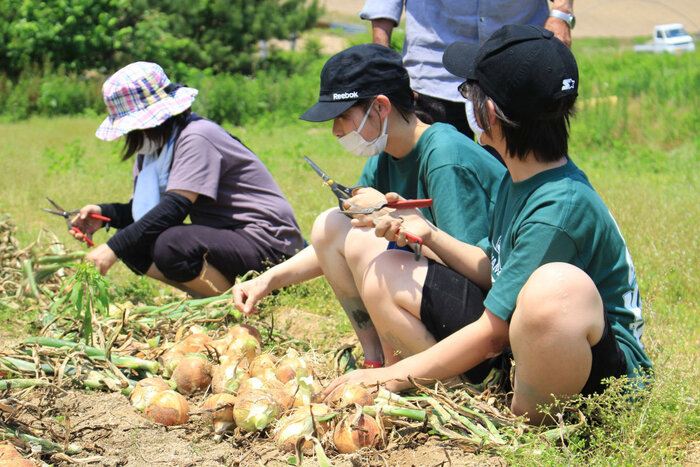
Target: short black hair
x=404, y=103
x=547, y=138
x=160, y=134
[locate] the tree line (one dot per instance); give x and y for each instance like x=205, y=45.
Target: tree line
x=79, y=35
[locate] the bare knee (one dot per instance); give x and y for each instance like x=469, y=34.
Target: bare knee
x=558, y=297
x=329, y=227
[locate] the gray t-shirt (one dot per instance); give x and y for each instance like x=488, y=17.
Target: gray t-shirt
x=432, y=25
x=236, y=190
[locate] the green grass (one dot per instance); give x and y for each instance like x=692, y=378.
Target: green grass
x=641, y=153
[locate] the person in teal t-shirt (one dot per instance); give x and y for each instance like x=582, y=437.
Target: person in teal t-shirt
x=562, y=290
x=366, y=91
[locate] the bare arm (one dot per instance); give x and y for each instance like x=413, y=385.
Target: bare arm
x=381, y=31
x=452, y=356
x=468, y=260
x=559, y=27
x=299, y=268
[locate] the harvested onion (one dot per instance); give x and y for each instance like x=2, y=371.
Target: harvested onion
x=192, y=374
x=238, y=331
x=356, y=431
x=300, y=423
x=255, y=410
x=170, y=360
x=271, y=386
x=193, y=343
x=348, y=394
x=304, y=391
x=289, y=365
x=167, y=408
x=262, y=366
x=228, y=376
x=218, y=410
x=186, y=331
x=144, y=391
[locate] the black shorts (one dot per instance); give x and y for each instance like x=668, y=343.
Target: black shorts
x=451, y=301
x=180, y=251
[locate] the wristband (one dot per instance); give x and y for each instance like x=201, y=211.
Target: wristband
x=568, y=18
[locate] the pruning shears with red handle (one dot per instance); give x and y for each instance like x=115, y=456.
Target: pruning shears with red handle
x=59, y=211
x=343, y=193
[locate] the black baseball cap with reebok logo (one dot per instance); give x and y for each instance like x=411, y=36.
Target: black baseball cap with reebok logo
x=359, y=72
x=523, y=68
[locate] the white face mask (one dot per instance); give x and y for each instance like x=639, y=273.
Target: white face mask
x=471, y=119
x=354, y=142
x=148, y=147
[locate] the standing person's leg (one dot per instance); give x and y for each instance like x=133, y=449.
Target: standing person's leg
x=558, y=318
x=328, y=237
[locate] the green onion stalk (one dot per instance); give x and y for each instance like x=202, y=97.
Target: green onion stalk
x=126, y=361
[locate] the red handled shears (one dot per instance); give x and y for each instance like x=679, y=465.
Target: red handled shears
x=343, y=193
x=68, y=214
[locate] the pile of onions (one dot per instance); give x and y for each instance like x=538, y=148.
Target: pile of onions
x=228, y=376
x=349, y=394
x=289, y=365
x=144, y=391
x=168, y=408
x=300, y=423
x=218, y=410
x=357, y=431
x=255, y=410
x=193, y=374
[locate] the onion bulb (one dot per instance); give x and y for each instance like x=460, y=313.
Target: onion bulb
x=218, y=410
x=144, y=391
x=255, y=410
x=186, y=331
x=356, y=431
x=271, y=386
x=228, y=376
x=193, y=343
x=262, y=366
x=193, y=373
x=300, y=423
x=289, y=365
x=220, y=345
x=9, y=452
x=170, y=360
x=348, y=394
x=167, y=408
x=304, y=390
x=237, y=331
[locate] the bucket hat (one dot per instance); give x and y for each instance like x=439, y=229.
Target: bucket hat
x=362, y=71
x=523, y=68
x=141, y=96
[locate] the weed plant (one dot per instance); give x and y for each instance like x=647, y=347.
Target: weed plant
x=635, y=135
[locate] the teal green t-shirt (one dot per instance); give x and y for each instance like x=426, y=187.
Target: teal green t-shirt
x=557, y=216
x=460, y=176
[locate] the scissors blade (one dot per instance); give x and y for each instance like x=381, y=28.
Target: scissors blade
x=318, y=170
x=51, y=211
x=58, y=208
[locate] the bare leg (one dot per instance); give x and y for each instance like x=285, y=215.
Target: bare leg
x=329, y=241
x=208, y=284
x=558, y=318
x=392, y=290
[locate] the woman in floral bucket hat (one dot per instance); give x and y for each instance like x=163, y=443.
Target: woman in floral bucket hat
x=186, y=165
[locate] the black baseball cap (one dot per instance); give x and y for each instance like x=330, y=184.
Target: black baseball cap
x=362, y=71
x=523, y=68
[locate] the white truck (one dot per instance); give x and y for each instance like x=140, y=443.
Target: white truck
x=670, y=38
